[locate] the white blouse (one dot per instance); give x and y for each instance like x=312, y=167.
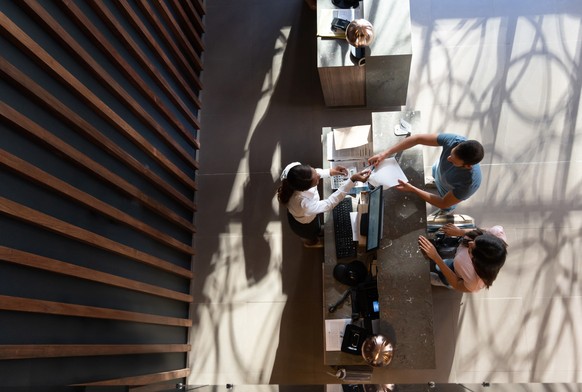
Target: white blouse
x=305, y=205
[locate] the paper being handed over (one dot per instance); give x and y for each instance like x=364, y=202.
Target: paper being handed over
x=387, y=173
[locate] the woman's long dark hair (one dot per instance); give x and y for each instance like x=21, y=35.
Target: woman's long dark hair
x=298, y=179
x=489, y=255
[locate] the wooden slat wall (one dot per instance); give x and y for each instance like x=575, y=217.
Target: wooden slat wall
x=99, y=125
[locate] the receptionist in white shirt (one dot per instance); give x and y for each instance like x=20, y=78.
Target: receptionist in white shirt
x=298, y=192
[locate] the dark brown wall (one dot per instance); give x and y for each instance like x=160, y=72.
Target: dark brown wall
x=99, y=122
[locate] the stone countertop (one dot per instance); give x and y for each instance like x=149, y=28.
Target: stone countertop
x=406, y=314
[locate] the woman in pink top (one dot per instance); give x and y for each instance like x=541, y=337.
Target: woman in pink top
x=477, y=262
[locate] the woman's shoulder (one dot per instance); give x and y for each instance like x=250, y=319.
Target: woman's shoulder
x=498, y=231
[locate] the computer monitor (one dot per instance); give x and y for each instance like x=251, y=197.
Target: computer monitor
x=374, y=218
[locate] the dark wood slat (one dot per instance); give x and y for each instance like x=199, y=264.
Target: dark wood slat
x=61, y=35
x=152, y=17
x=123, y=66
x=51, y=103
x=45, y=179
x=68, y=230
x=35, y=51
x=27, y=259
x=24, y=351
x=195, y=15
x=34, y=130
x=174, y=201
x=18, y=304
x=123, y=36
x=143, y=382
x=200, y=6
x=154, y=46
x=178, y=33
x=187, y=26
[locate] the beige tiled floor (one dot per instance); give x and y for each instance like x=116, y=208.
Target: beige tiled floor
x=505, y=72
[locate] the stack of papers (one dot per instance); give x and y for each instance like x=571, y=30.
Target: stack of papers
x=350, y=143
x=349, y=147
x=334, y=333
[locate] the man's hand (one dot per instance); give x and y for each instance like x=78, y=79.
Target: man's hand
x=428, y=248
x=376, y=159
x=405, y=186
x=338, y=171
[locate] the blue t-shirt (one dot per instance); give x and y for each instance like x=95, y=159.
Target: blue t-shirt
x=447, y=177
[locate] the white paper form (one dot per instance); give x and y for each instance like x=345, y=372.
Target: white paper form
x=387, y=173
x=351, y=137
x=355, y=221
x=350, y=143
x=334, y=333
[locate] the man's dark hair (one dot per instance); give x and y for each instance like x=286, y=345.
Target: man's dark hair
x=470, y=152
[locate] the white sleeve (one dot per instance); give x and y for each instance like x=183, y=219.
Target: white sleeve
x=323, y=173
x=313, y=207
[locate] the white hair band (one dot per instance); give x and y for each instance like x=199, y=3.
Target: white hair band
x=287, y=168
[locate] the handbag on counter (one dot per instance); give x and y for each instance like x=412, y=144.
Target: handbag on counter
x=446, y=246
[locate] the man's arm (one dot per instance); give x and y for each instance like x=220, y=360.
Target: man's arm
x=426, y=139
x=446, y=201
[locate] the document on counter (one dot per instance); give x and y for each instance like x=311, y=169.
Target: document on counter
x=387, y=173
x=350, y=143
x=355, y=222
x=334, y=333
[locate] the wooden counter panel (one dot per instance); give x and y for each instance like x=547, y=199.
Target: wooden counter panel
x=343, y=86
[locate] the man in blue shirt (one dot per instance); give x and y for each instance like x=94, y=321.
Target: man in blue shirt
x=457, y=173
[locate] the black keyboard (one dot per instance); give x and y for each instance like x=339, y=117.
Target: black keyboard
x=345, y=246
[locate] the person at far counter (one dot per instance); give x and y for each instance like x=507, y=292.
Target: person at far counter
x=477, y=261
x=457, y=173
x=298, y=192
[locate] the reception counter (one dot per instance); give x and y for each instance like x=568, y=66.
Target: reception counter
x=405, y=295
